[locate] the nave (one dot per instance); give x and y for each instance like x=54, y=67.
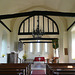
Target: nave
x=43, y=29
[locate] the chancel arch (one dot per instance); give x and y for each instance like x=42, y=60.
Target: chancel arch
x=34, y=24
x=61, y=29
x=60, y=25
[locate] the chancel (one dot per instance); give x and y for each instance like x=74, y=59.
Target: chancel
x=37, y=37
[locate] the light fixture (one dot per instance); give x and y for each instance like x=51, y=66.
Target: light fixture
x=38, y=32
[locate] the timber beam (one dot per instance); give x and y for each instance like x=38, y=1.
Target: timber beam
x=5, y=26
x=32, y=13
x=37, y=39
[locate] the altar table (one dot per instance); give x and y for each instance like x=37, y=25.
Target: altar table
x=39, y=59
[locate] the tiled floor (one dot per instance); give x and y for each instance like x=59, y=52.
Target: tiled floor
x=38, y=68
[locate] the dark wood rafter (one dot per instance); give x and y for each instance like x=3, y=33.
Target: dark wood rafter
x=45, y=33
x=28, y=24
x=38, y=42
x=46, y=40
x=5, y=26
x=43, y=24
x=51, y=13
x=70, y=25
x=48, y=32
x=38, y=22
x=23, y=26
x=53, y=26
x=48, y=24
x=33, y=23
x=21, y=39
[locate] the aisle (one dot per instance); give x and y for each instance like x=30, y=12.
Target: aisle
x=38, y=69
x=38, y=72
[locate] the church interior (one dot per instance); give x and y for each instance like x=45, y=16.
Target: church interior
x=38, y=35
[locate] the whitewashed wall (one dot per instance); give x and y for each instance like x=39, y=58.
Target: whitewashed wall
x=31, y=55
x=5, y=35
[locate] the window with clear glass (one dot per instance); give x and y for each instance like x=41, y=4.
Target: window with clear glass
x=73, y=41
x=45, y=47
x=38, y=47
x=73, y=45
x=31, y=47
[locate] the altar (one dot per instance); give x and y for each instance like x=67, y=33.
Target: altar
x=39, y=59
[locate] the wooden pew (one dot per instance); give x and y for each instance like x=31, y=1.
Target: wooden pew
x=60, y=69
x=15, y=69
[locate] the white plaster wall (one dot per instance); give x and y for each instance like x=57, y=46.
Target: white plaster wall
x=61, y=27
x=65, y=45
x=31, y=55
x=2, y=28
x=0, y=39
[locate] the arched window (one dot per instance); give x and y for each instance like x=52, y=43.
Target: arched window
x=73, y=42
x=4, y=47
x=45, y=24
x=4, y=43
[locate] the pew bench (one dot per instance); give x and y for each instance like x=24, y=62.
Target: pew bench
x=60, y=69
x=8, y=72
x=63, y=71
x=15, y=69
